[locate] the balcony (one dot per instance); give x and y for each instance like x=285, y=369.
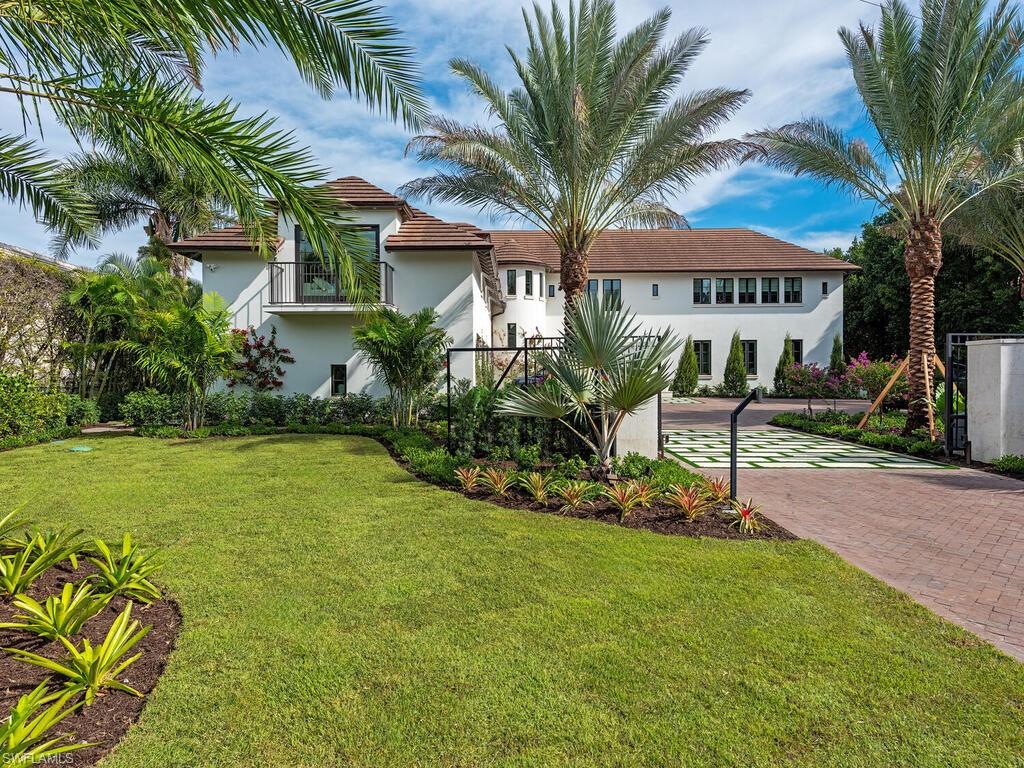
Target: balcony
x=312, y=286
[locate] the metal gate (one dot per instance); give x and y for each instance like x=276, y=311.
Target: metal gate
x=954, y=416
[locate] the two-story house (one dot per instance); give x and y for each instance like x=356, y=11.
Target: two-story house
x=501, y=288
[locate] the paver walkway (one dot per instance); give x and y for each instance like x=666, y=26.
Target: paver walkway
x=953, y=539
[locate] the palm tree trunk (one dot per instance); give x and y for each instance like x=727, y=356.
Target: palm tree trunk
x=923, y=259
x=575, y=268
x=163, y=231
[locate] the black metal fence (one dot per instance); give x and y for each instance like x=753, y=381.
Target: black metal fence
x=316, y=282
x=954, y=415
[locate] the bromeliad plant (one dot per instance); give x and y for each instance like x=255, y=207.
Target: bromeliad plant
x=91, y=669
x=691, y=502
x=574, y=494
x=624, y=497
x=60, y=617
x=468, y=477
x=25, y=735
x=717, y=489
x=21, y=569
x=498, y=481
x=605, y=371
x=126, y=573
x=537, y=485
x=746, y=516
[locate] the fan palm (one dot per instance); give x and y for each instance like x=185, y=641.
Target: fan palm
x=124, y=189
x=592, y=138
x=942, y=92
x=604, y=372
x=407, y=353
x=125, y=73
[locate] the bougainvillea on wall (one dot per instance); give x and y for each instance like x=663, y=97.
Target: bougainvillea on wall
x=261, y=367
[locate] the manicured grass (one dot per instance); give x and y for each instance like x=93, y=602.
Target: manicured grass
x=339, y=612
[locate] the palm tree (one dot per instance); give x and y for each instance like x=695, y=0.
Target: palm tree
x=124, y=189
x=995, y=221
x=942, y=92
x=126, y=73
x=604, y=372
x=592, y=138
x=407, y=352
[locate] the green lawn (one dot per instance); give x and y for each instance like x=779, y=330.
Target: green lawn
x=339, y=612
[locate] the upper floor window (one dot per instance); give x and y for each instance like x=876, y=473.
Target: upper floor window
x=794, y=289
x=723, y=290
x=367, y=243
x=529, y=283
x=702, y=290
x=510, y=282
x=750, y=356
x=592, y=288
x=747, y=290
x=703, y=350
x=540, y=284
x=612, y=290
x=769, y=290
x=798, y=351
x=654, y=290
x=551, y=290
x=824, y=287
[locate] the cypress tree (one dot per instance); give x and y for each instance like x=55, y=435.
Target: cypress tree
x=786, y=359
x=686, y=374
x=837, y=362
x=735, y=381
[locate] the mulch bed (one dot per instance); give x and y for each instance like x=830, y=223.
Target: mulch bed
x=106, y=720
x=659, y=519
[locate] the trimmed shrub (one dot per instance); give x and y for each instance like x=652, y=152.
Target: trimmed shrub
x=836, y=361
x=26, y=410
x=687, y=376
x=149, y=408
x=81, y=411
x=786, y=360
x=734, y=384
x=1011, y=463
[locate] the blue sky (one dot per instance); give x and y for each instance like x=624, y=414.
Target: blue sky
x=786, y=52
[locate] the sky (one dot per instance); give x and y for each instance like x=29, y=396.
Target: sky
x=786, y=52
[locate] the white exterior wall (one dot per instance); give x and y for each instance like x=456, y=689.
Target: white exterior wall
x=995, y=406
x=816, y=320
x=529, y=313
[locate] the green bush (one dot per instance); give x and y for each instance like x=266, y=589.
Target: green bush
x=22, y=441
x=1010, y=463
x=26, y=410
x=81, y=411
x=734, y=384
x=435, y=465
x=837, y=361
x=660, y=472
x=149, y=408
x=786, y=360
x=687, y=374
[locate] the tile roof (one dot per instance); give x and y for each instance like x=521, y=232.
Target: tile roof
x=359, y=193
x=425, y=232
x=231, y=238
x=670, y=250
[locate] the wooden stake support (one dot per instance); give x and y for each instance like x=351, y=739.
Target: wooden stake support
x=900, y=369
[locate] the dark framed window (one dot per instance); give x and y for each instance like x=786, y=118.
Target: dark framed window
x=702, y=290
x=540, y=284
x=551, y=290
x=798, y=351
x=528, y=290
x=723, y=290
x=368, y=233
x=316, y=278
x=750, y=356
x=747, y=290
x=513, y=335
x=794, y=290
x=769, y=290
x=654, y=290
x=703, y=350
x=824, y=287
x=592, y=288
x=510, y=282
x=612, y=294
x=339, y=380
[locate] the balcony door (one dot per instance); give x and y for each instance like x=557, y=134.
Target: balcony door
x=316, y=278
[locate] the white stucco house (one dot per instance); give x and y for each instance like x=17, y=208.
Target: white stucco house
x=501, y=288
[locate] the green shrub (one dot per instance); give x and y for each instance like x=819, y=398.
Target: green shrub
x=528, y=456
x=267, y=409
x=435, y=465
x=22, y=441
x=786, y=360
x=734, y=383
x=162, y=432
x=149, y=408
x=81, y=411
x=60, y=616
x=27, y=734
x=662, y=473
x=687, y=374
x=26, y=410
x=837, y=361
x=1010, y=463
x=125, y=571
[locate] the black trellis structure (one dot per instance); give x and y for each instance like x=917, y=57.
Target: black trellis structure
x=954, y=415
x=539, y=346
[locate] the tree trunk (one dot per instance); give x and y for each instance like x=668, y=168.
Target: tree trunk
x=163, y=230
x=923, y=258
x=575, y=268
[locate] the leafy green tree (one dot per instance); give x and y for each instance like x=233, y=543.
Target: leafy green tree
x=601, y=375
x=592, y=138
x=942, y=91
x=735, y=381
x=837, y=361
x=786, y=359
x=687, y=374
x=407, y=352
x=126, y=74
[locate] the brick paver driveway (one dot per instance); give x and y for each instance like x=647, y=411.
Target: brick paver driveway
x=953, y=539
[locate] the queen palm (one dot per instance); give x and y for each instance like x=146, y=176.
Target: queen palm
x=942, y=92
x=591, y=138
x=126, y=74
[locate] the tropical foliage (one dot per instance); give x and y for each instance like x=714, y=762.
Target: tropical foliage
x=126, y=573
x=604, y=372
x=261, y=367
x=592, y=137
x=407, y=353
x=26, y=736
x=942, y=91
x=58, y=616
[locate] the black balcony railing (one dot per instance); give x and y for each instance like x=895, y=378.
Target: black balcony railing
x=313, y=282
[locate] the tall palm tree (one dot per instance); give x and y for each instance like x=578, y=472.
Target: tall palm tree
x=941, y=91
x=590, y=139
x=995, y=221
x=124, y=189
x=128, y=71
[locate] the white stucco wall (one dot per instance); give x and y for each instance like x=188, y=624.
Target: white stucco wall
x=816, y=320
x=529, y=313
x=995, y=399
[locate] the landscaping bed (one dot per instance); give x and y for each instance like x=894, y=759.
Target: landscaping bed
x=883, y=431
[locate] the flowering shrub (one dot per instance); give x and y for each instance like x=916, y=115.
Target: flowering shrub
x=812, y=382
x=260, y=366
x=870, y=377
